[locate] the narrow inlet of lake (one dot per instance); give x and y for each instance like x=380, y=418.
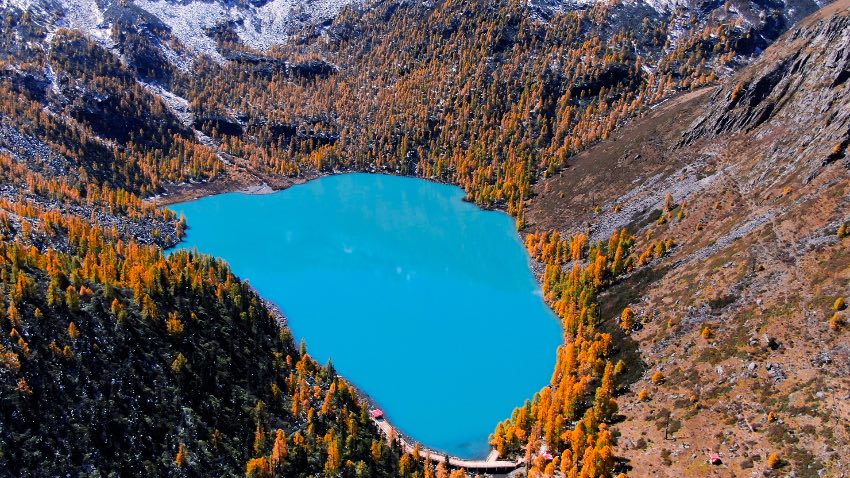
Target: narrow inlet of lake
x=423, y=301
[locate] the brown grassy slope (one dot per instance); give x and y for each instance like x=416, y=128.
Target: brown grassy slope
x=760, y=167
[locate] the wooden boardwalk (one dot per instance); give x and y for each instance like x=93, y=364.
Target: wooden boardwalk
x=491, y=464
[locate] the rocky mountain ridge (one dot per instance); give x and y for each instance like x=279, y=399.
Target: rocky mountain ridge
x=259, y=25
x=184, y=29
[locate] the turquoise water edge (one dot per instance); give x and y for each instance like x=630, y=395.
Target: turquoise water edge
x=423, y=301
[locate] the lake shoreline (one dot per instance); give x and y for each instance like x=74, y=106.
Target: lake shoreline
x=178, y=193
x=367, y=399
x=194, y=191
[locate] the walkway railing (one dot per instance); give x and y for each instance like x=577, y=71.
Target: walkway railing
x=491, y=464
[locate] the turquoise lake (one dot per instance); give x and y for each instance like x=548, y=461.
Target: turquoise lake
x=423, y=301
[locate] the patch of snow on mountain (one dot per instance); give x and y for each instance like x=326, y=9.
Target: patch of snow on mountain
x=22, y=4
x=178, y=105
x=559, y=5
x=188, y=22
x=259, y=27
x=662, y=6
x=85, y=15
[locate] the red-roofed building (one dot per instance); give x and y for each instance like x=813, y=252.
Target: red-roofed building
x=377, y=414
x=714, y=459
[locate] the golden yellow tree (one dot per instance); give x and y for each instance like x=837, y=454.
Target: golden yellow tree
x=258, y=468
x=73, y=331
x=627, y=322
x=181, y=459
x=259, y=440
x=279, y=450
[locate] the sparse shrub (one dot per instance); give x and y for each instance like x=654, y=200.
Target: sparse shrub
x=660, y=249
x=836, y=322
x=706, y=333
x=738, y=91
x=839, y=304
x=643, y=395
x=665, y=457
x=836, y=150
x=179, y=363
x=774, y=461
x=842, y=231
x=620, y=367
x=771, y=417
x=24, y=387
x=627, y=321
x=657, y=377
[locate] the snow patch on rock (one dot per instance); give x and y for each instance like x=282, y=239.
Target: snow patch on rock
x=258, y=27
x=85, y=15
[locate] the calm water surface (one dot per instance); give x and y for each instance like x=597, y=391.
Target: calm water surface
x=425, y=302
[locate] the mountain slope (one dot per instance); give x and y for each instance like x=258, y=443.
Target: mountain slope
x=738, y=317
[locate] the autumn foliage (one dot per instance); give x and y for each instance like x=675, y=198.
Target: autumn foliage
x=570, y=416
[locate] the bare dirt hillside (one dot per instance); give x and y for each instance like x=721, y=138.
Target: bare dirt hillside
x=740, y=317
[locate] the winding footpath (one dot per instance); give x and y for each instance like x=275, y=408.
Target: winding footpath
x=491, y=464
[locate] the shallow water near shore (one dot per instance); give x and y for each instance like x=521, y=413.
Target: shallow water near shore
x=425, y=302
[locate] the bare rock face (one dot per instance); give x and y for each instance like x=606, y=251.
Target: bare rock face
x=800, y=85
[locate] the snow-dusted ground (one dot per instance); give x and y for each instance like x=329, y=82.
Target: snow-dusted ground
x=178, y=105
x=264, y=26
x=258, y=27
x=85, y=15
